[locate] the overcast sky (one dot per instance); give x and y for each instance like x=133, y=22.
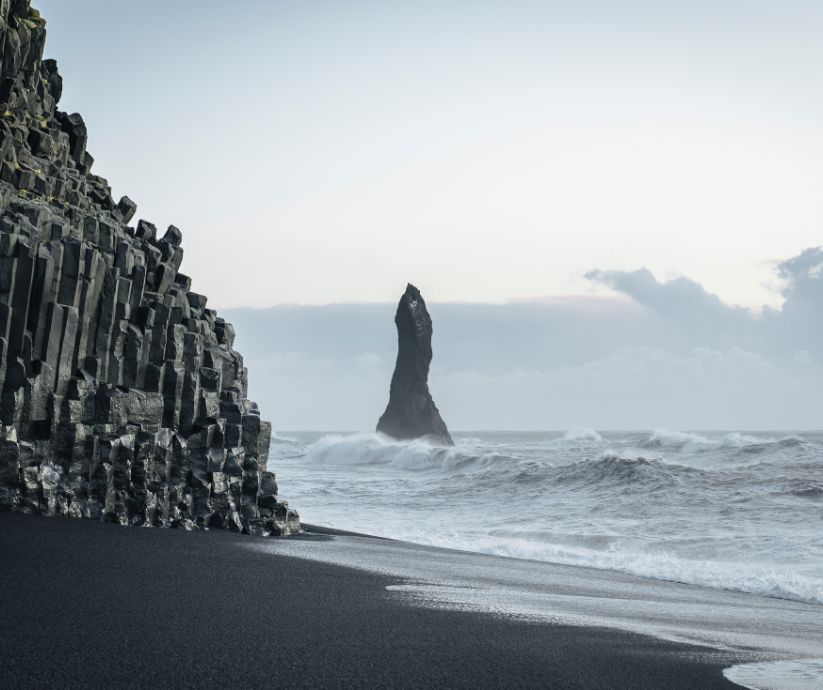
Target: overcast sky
x=597, y=199
x=329, y=151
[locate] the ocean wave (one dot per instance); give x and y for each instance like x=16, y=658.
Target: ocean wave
x=809, y=490
x=379, y=449
x=606, y=471
x=454, y=469
x=684, y=512
x=792, y=442
x=674, y=451
x=661, y=438
x=787, y=443
x=582, y=434
x=664, y=438
x=279, y=438
x=609, y=470
x=742, y=444
x=769, y=580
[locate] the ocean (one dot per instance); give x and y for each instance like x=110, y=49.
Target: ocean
x=727, y=510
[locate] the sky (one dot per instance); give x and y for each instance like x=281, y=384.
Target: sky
x=615, y=185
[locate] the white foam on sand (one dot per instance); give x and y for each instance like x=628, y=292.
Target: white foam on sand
x=771, y=580
x=457, y=580
x=793, y=674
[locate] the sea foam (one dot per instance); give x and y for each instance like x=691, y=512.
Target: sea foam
x=736, y=511
x=793, y=674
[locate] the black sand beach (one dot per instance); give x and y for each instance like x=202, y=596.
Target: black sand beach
x=95, y=605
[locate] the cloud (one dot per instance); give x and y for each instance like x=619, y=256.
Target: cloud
x=701, y=318
x=640, y=388
x=677, y=297
x=656, y=353
x=799, y=323
x=690, y=315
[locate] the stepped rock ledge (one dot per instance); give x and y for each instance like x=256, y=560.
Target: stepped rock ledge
x=411, y=412
x=122, y=397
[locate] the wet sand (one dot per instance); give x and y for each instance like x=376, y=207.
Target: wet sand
x=85, y=604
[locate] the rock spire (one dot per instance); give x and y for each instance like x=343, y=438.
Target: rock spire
x=411, y=412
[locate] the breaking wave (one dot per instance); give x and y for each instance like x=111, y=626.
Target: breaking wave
x=743, y=444
x=378, y=449
x=735, y=511
x=607, y=469
x=615, y=470
x=582, y=434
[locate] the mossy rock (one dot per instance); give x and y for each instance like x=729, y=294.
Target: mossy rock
x=34, y=20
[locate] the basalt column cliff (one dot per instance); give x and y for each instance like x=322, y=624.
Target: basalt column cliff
x=411, y=412
x=122, y=396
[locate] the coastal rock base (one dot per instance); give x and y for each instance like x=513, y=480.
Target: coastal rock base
x=132, y=476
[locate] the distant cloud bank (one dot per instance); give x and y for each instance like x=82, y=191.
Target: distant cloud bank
x=655, y=354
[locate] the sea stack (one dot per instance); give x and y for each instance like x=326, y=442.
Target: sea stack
x=411, y=412
x=123, y=399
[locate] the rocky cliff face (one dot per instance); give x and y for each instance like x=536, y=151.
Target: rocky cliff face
x=411, y=412
x=122, y=396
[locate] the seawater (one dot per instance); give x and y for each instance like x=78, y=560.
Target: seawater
x=728, y=510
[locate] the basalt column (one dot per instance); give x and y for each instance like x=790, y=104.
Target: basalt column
x=121, y=395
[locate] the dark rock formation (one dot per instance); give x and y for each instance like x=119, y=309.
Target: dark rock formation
x=122, y=396
x=411, y=412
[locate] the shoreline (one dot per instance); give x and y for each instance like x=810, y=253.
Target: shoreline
x=309, y=529
x=195, y=609
x=622, y=503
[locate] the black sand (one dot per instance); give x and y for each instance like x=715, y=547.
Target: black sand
x=91, y=605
